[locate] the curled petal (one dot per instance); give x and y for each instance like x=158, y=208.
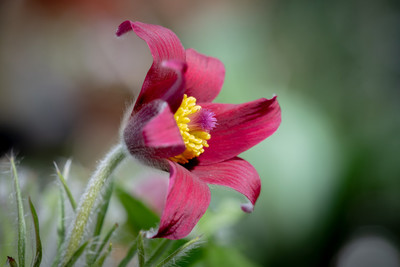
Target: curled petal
x=204, y=77
x=188, y=199
x=162, y=131
x=152, y=133
x=164, y=45
x=240, y=127
x=174, y=95
x=235, y=173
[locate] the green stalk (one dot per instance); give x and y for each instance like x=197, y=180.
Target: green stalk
x=92, y=193
x=103, y=210
x=61, y=227
x=38, y=254
x=94, y=257
x=21, y=219
x=140, y=249
x=101, y=214
x=100, y=261
x=66, y=188
x=179, y=252
x=131, y=253
x=159, y=251
x=75, y=256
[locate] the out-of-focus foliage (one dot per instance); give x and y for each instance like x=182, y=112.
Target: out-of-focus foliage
x=97, y=249
x=139, y=216
x=330, y=175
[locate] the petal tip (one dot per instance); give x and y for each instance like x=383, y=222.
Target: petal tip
x=247, y=207
x=272, y=99
x=123, y=28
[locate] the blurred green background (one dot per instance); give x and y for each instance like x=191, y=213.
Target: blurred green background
x=330, y=174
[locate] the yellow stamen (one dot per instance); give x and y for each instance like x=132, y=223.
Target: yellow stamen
x=196, y=140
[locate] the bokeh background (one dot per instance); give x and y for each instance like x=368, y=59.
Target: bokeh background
x=330, y=174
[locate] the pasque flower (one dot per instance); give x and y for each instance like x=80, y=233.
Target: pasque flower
x=175, y=126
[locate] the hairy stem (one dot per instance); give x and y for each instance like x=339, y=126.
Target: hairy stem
x=87, y=201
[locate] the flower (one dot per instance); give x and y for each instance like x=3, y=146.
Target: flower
x=175, y=126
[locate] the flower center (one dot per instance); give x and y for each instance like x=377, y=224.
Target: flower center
x=194, y=123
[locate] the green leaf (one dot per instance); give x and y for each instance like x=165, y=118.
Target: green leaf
x=38, y=255
x=159, y=251
x=21, y=219
x=76, y=255
x=102, y=210
x=180, y=252
x=66, y=188
x=131, y=253
x=139, y=216
x=60, y=229
x=100, y=261
x=11, y=262
x=91, y=260
x=140, y=246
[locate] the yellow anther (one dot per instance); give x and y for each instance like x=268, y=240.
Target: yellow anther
x=194, y=140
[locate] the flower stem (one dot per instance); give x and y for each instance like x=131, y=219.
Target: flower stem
x=87, y=201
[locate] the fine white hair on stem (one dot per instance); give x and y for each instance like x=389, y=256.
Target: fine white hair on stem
x=92, y=194
x=181, y=252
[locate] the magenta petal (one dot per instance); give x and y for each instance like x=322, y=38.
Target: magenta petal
x=188, y=199
x=164, y=45
x=240, y=127
x=235, y=173
x=162, y=131
x=152, y=133
x=204, y=77
x=174, y=95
